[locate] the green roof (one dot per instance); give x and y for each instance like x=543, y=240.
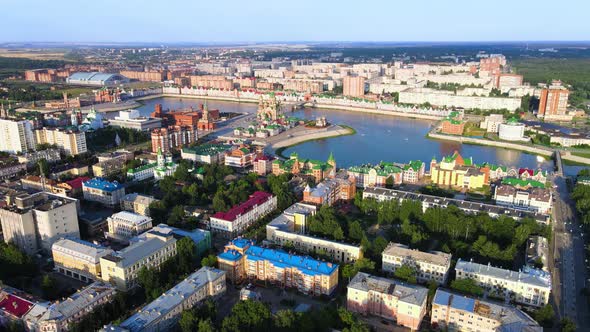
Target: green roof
x=207, y=149
x=523, y=183
x=141, y=168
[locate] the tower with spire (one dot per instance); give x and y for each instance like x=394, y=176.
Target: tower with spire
x=161, y=160
x=332, y=163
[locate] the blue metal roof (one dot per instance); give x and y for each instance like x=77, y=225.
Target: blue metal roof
x=230, y=255
x=282, y=259
x=102, y=184
x=455, y=301
x=242, y=243
x=94, y=76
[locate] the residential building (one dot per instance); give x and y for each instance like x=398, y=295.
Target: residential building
x=200, y=237
x=290, y=230
x=207, y=153
x=145, y=76
x=420, y=96
x=137, y=203
x=535, y=198
x=456, y=312
x=237, y=219
x=42, y=184
x=379, y=175
x=103, y=191
x=413, y=171
x=31, y=158
x=212, y=81
x=96, y=79
x=11, y=169
x=330, y=191
x=453, y=124
x=277, y=267
x=319, y=170
x=78, y=259
x=474, y=208
x=528, y=286
x=42, y=220
x=163, y=313
x=455, y=171
x=108, y=167
x=353, y=86
x=70, y=142
x=241, y=157
x=173, y=137
x=61, y=315
x=553, y=101
x=263, y=164
x=142, y=172
x=428, y=266
x=17, y=136
x=121, y=268
x=74, y=169
x=125, y=225
x=492, y=122
x=393, y=300
x=537, y=252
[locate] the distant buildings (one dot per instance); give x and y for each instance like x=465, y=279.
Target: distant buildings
x=144, y=76
x=428, y=266
x=137, y=203
x=163, y=313
x=121, y=268
x=242, y=259
x=553, y=102
x=237, y=219
x=318, y=169
x=103, y=191
x=530, y=287
x=78, y=259
x=353, y=86
x=420, y=96
x=456, y=312
x=173, y=137
x=132, y=120
x=393, y=300
x=70, y=142
x=96, y=79
x=125, y=225
x=453, y=124
x=17, y=136
x=212, y=81
x=36, y=221
x=290, y=230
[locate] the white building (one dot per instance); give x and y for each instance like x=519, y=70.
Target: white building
x=102, y=191
x=60, y=315
x=512, y=131
x=427, y=265
x=125, y=225
x=289, y=229
x=237, y=219
x=142, y=172
x=17, y=136
x=163, y=313
x=133, y=120
x=456, y=312
x=492, y=122
x=534, y=199
x=529, y=286
x=441, y=98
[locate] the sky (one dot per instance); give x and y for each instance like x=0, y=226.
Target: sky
x=173, y=21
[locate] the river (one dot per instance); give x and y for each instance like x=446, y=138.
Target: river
x=378, y=137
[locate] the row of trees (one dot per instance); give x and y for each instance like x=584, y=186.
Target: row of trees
x=104, y=138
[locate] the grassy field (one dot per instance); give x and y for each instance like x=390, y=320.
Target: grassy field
x=34, y=54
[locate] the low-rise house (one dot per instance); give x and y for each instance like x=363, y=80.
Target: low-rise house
x=393, y=300
x=376, y=175
x=429, y=266
x=137, y=203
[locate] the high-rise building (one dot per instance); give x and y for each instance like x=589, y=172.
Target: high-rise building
x=173, y=137
x=353, y=86
x=17, y=136
x=70, y=142
x=553, y=100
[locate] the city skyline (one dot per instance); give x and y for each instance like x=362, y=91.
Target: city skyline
x=231, y=21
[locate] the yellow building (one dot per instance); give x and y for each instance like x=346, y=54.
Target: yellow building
x=78, y=259
x=122, y=268
x=454, y=171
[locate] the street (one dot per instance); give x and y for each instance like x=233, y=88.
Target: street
x=569, y=265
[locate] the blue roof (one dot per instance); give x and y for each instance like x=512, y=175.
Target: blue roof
x=102, y=184
x=283, y=259
x=242, y=243
x=455, y=301
x=230, y=255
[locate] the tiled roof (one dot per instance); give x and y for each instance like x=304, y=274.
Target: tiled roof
x=255, y=199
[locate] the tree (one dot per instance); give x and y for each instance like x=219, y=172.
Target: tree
x=567, y=325
x=467, y=286
x=187, y=321
x=182, y=173
x=48, y=286
x=43, y=167
x=545, y=316
x=379, y=245
x=248, y=316
x=158, y=212
x=177, y=215
x=338, y=234
x=186, y=255
x=210, y=260
x=206, y=325
x=406, y=273
x=355, y=231
x=285, y=320
x=149, y=280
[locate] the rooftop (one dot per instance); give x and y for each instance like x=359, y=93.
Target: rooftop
x=437, y=257
x=283, y=259
x=527, y=275
x=412, y=294
x=102, y=184
x=138, y=250
x=255, y=199
x=130, y=217
x=80, y=248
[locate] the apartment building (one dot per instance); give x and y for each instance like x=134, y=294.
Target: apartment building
x=528, y=286
x=237, y=219
x=441, y=98
x=331, y=190
x=393, y=300
x=103, y=191
x=368, y=175
x=125, y=225
x=42, y=220
x=429, y=266
x=17, y=136
x=78, y=259
x=70, y=142
x=163, y=313
x=553, y=101
x=456, y=312
x=212, y=81
x=173, y=137
x=413, y=171
x=289, y=229
x=108, y=167
x=144, y=76
x=262, y=165
x=534, y=199
x=353, y=86
x=137, y=203
x=61, y=315
x=121, y=268
x=276, y=267
x=240, y=157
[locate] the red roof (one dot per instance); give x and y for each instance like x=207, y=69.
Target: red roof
x=264, y=157
x=77, y=182
x=526, y=170
x=255, y=199
x=15, y=306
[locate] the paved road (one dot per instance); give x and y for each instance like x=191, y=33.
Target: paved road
x=569, y=274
